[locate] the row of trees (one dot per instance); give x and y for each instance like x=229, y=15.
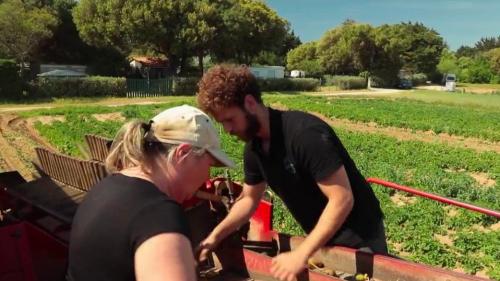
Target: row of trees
x=43, y=31
x=381, y=52
x=102, y=33
x=225, y=30
x=478, y=64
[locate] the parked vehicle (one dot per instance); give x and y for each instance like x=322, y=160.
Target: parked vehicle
x=297, y=73
x=405, y=83
x=450, y=82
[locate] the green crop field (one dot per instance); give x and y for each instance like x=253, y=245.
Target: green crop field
x=417, y=229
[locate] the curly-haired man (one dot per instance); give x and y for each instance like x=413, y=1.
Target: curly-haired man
x=303, y=161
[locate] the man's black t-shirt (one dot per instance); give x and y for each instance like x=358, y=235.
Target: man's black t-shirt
x=304, y=150
x=116, y=216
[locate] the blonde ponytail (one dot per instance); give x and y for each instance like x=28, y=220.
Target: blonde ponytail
x=128, y=148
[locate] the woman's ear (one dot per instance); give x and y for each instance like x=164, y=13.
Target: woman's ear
x=181, y=151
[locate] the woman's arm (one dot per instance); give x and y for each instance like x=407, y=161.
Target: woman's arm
x=166, y=256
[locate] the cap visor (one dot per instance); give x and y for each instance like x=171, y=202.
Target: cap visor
x=222, y=159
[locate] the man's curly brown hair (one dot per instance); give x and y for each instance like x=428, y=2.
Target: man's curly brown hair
x=225, y=86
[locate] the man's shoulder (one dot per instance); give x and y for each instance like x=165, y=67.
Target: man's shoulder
x=297, y=122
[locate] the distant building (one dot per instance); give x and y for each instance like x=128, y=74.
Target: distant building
x=150, y=67
x=268, y=71
x=62, y=70
x=59, y=73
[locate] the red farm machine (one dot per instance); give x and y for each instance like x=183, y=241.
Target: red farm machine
x=35, y=222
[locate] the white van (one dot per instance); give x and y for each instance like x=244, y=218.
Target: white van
x=297, y=73
x=450, y=82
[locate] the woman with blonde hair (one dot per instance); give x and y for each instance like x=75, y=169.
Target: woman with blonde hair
x=130, y=226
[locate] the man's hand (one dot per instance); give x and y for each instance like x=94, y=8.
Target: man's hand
x=286, y=266
x=205, y=248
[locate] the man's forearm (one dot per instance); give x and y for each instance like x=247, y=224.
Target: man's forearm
x=239, y=214
x=332, y=218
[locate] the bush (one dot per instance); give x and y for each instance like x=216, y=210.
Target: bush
x=418, y=79
x=345, y=82
x=185, y=85
x=288, y=84
x=95, y=86
x=11, y=85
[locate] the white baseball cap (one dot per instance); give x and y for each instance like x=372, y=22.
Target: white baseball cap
x=187, y=124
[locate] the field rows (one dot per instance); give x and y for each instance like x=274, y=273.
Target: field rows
x=417, y=229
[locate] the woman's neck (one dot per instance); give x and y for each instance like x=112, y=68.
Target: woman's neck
x=139, y=172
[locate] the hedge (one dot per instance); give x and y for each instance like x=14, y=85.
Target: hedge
x=11, y=84
x=95, y=86
x=288, y=84
x=189, y=85
x=418, y=79
x=117, y=87
x=185, y=85
x=345, y=82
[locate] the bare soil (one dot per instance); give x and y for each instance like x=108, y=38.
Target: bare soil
x=402, y=200
x=18, y=140
x=114, y=116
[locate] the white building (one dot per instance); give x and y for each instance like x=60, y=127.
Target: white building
x=268, y=71
x=76, y=68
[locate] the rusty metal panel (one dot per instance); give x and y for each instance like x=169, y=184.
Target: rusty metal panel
x=378, y=266
x=80, y=174
x=98, y=147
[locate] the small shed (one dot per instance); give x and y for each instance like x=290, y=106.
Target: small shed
x=150, y=67
x=268, y=71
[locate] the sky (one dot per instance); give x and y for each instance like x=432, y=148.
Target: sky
x=459, y=22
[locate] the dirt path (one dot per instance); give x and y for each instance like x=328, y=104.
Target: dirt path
x=13, y=148
x=15, y=109
x=18, y=140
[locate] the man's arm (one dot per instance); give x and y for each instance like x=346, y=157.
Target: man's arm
x=239, y=214
x=337, y=189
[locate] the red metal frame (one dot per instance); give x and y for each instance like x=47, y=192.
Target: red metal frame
x=38, y=255
x=435, y=197
x=28, y=253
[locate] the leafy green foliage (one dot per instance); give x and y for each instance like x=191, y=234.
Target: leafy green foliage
x=81, y=87
x=287, y=84
x=10, y=83
x=305, y=57
x=439, y=118
x=476, y=67
x=227, y=30
x=412, y=47
x=22, y=28
x=448, y=63
x=345, y=82
x=347, y=49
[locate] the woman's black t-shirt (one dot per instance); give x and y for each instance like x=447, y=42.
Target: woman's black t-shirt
x=116, y=216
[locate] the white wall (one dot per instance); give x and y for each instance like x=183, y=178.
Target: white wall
x=268, y=72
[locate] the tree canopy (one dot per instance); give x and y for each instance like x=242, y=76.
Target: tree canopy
x=385, y=51
x=305, y=57
x=236, y=30
x=22, y=28
x=347, y=49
